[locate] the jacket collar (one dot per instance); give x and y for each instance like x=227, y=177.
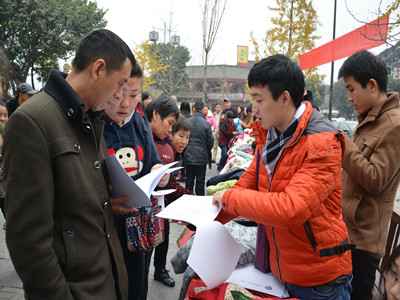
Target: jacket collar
x=66, y=97
x=198, y=114
x=261, y=134
x=391, y=102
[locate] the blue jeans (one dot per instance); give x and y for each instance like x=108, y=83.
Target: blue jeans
x=329, y=291
x=224, y=156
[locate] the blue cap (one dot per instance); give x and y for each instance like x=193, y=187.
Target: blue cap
x=227, y=99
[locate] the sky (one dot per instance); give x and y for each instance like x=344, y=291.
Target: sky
x=133, y=20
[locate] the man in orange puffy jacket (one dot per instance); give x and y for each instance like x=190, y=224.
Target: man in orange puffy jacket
x=294, y=185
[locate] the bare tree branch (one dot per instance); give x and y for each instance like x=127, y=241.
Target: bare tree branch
x=211, y=22
x=393, y=33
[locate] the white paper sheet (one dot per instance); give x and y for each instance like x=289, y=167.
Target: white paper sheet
x=249, y=277
x=214, y=254
x=138, y=191
x=159, y=195
x=191, y=209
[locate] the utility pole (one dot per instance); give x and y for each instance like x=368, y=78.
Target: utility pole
x=332, y=67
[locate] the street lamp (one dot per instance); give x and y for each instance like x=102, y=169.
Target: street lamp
x=153, y=36
x=175, y=39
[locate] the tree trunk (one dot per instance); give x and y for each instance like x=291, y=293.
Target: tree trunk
x=289, y=51
x=32, y=81
x=205, y=78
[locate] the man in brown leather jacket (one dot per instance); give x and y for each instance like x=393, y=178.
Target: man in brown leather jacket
x=371, y=165
x=60, y=227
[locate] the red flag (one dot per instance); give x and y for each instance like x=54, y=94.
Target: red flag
x=366, y=37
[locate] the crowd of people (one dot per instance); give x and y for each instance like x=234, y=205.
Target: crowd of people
x=322, y=200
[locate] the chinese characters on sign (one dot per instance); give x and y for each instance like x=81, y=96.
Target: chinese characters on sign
x=243, y=56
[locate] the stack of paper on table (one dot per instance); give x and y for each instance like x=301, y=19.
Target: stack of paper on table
x=249, y=277
x=215, y=253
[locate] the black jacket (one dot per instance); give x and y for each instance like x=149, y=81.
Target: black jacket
x=201, y=140
x=308, y=97
x=12, y=105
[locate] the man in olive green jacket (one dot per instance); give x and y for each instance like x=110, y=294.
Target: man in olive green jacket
x=60, y=228
x=371, y=165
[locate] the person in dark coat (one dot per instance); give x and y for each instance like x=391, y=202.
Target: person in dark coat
x=24, y=92
x=61, y=233
x=228, y=107
x=200, y=144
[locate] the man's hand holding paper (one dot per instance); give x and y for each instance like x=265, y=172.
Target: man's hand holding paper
x=117, y=207
x=217, y=198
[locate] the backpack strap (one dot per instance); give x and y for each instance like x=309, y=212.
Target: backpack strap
x=342, y=248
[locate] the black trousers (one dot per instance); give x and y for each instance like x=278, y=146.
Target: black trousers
x=364, y=269
x=2, y=207
x=160, y=252
x=160, y=256
x=198, y=173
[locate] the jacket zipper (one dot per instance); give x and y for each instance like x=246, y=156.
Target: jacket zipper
x=272, y=228
x=273, y=233
x=310, y=235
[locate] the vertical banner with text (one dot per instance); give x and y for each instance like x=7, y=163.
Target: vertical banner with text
x=243, y=56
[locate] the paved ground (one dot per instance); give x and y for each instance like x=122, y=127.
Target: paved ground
x=11, y=286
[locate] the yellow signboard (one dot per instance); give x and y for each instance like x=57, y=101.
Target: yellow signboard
x=243, y=56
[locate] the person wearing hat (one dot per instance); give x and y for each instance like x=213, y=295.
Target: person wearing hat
x=24, y=92
x=227, y=107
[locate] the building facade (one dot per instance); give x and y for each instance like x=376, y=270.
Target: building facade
x=223, y=81
x=391, y=57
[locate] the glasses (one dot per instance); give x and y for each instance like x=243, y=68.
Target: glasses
x=391, y=277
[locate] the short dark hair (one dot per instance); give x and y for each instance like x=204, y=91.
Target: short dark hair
x=182, y=123
x=198, y=105
x=279, y=73
x=164, y=106
x=105, y=44
x=145, y=95
x=136, y=71
x=363, y=66
x=185, y=106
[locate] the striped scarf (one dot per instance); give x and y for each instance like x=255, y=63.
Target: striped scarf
x=276, y=142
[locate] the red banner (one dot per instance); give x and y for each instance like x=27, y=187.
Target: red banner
x=366, y=37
